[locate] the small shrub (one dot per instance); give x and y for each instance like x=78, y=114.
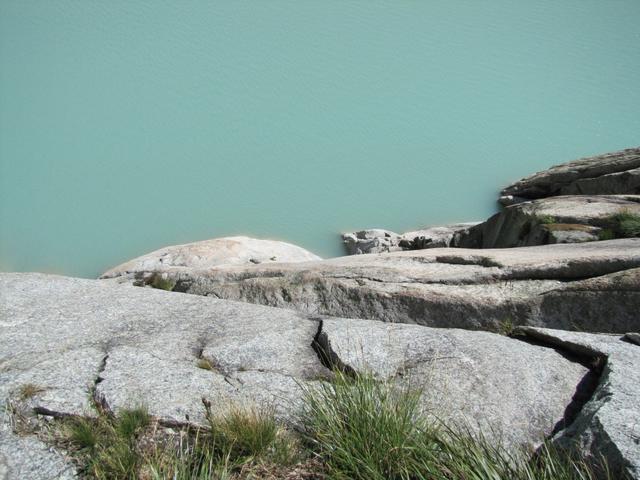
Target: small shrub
x=606, y=234
x=506, y=327
x=628, y=224
x=621, y=225
x=546, y=219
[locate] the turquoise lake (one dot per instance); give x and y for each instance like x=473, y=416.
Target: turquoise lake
x=130, y=125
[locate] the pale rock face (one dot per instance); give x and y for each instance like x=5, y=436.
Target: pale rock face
x=213, y=253
x=381, y=241
x=374, y=240
x=449, y=287
x=89, y=340
x=613, y=173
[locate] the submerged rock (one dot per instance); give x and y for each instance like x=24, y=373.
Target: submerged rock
x=85, y=341
x=213, y=253
x=608, y=174
x=564, y=219
x=461, y=288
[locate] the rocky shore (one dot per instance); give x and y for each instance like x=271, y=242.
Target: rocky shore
x=523, y=327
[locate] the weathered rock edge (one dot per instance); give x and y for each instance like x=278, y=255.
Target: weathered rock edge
x=608, y=424
x=591, y=286
x=607, y=174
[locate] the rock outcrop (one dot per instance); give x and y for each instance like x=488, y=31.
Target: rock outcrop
x=608, y=174
x=214, y=253
x=373, y=240
x=475, y=289
x=85, y=341
x=564, y=219
x=381, y=241
x=609, y=423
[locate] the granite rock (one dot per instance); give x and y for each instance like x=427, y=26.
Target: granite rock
x=90, y=341
x=608, y=174
x=214, y=253
x=461, y=288
x=381, y=241
x=563, y=219
x=609, y=423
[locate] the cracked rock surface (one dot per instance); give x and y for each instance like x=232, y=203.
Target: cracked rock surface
x=609, y=423
x=125, y=345
x=460, y=288
x=466, y=378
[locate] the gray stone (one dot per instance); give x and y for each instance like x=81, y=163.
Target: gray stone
x=213, y=253
x=608, y=303
x=381, y=241
x=563, y=219
x=475, y=289
x=435, y=237
x=632, y=337
x=609, y=423
x=85, y=341
x=608, y=174
x=373, y=240
x=27, y=458
x=128, y=345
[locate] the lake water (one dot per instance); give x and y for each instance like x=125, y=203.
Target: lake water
x=129, y=125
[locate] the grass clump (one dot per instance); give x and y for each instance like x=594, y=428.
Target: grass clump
x=628, y=224
x=106, y=447
x=237, y=444
x=29, y=390
x=364, y=429
x=621, y=225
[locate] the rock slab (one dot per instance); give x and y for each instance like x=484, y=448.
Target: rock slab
x=84, y=341
x=608, y=174
x=449, y=288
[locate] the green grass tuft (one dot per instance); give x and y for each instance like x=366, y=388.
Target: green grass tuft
x=130, y=422
x=621, y=225
x=365, y=429
x=546, y=219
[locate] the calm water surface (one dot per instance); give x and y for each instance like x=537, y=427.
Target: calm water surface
x=129, y=125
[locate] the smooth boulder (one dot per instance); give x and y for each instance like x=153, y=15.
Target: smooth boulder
x=213, y=253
